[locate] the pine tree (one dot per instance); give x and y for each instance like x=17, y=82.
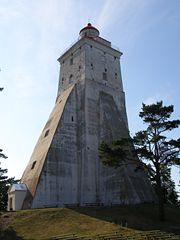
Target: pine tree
x=155, y=151
x=5, y=182
x=3, y=188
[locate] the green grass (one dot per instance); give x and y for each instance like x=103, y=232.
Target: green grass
x=44, y=223
x=36, y=224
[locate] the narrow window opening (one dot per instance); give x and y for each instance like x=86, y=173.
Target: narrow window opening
x=79, y=68
x=62, y=80
x=92, y=67
x=71, y=78
x=71, y=61
x=105, y=69
x=104, y=76
x=46, y=133
x=91, y=46
x=114, y=58
x=72, y=119
x=33, y=165
x=115, y=75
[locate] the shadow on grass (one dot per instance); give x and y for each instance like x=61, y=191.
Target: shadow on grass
x=9, y=234
x=140, y=217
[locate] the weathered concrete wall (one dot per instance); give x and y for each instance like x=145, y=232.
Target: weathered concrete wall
x=59, y=178
x=33, y=171
x=72, y=69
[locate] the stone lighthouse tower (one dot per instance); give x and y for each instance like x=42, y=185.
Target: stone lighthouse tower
x=64, y=169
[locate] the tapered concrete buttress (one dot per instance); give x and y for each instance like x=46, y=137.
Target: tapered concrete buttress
x=65, y=169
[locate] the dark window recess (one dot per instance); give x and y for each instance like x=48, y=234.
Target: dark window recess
x=91, y=46
x=105, y=69
x=104, y=76
x=80, y=47
x=46, y=133
x=114, y=58
x=104, y=53
x=72, y=119
x=63, y=62
x=92, y=67
x=33, y=165
x=71, y=78
x=115, y=75
x=62, y=80
x=71, y=61
x=79, y=67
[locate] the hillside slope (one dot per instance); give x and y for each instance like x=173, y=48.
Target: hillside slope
x=45, y=223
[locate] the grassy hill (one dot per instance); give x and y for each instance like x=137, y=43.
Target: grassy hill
x=45, y=223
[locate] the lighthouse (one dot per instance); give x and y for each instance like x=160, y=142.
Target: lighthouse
x=65, y=169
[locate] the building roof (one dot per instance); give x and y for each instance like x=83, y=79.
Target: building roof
x=18, y=187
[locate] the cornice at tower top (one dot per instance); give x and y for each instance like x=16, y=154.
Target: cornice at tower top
x=90, y=33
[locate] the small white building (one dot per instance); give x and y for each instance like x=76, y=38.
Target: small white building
x=16, y=196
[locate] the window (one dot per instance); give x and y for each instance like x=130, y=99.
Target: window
x=33, y=165
x=46, y=133
x=104, y=76
x=105, y=69
x=71, y=61
x=71, y=78
x=91, y=46
x=62, y=80
x=115, y=75
x=79, y=68
x=72, y=119
x=114, y=58
x=92, y=66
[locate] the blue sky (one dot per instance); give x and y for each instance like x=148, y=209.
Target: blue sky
x=33, y=34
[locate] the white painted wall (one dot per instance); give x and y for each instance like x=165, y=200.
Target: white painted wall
x=17, y=200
